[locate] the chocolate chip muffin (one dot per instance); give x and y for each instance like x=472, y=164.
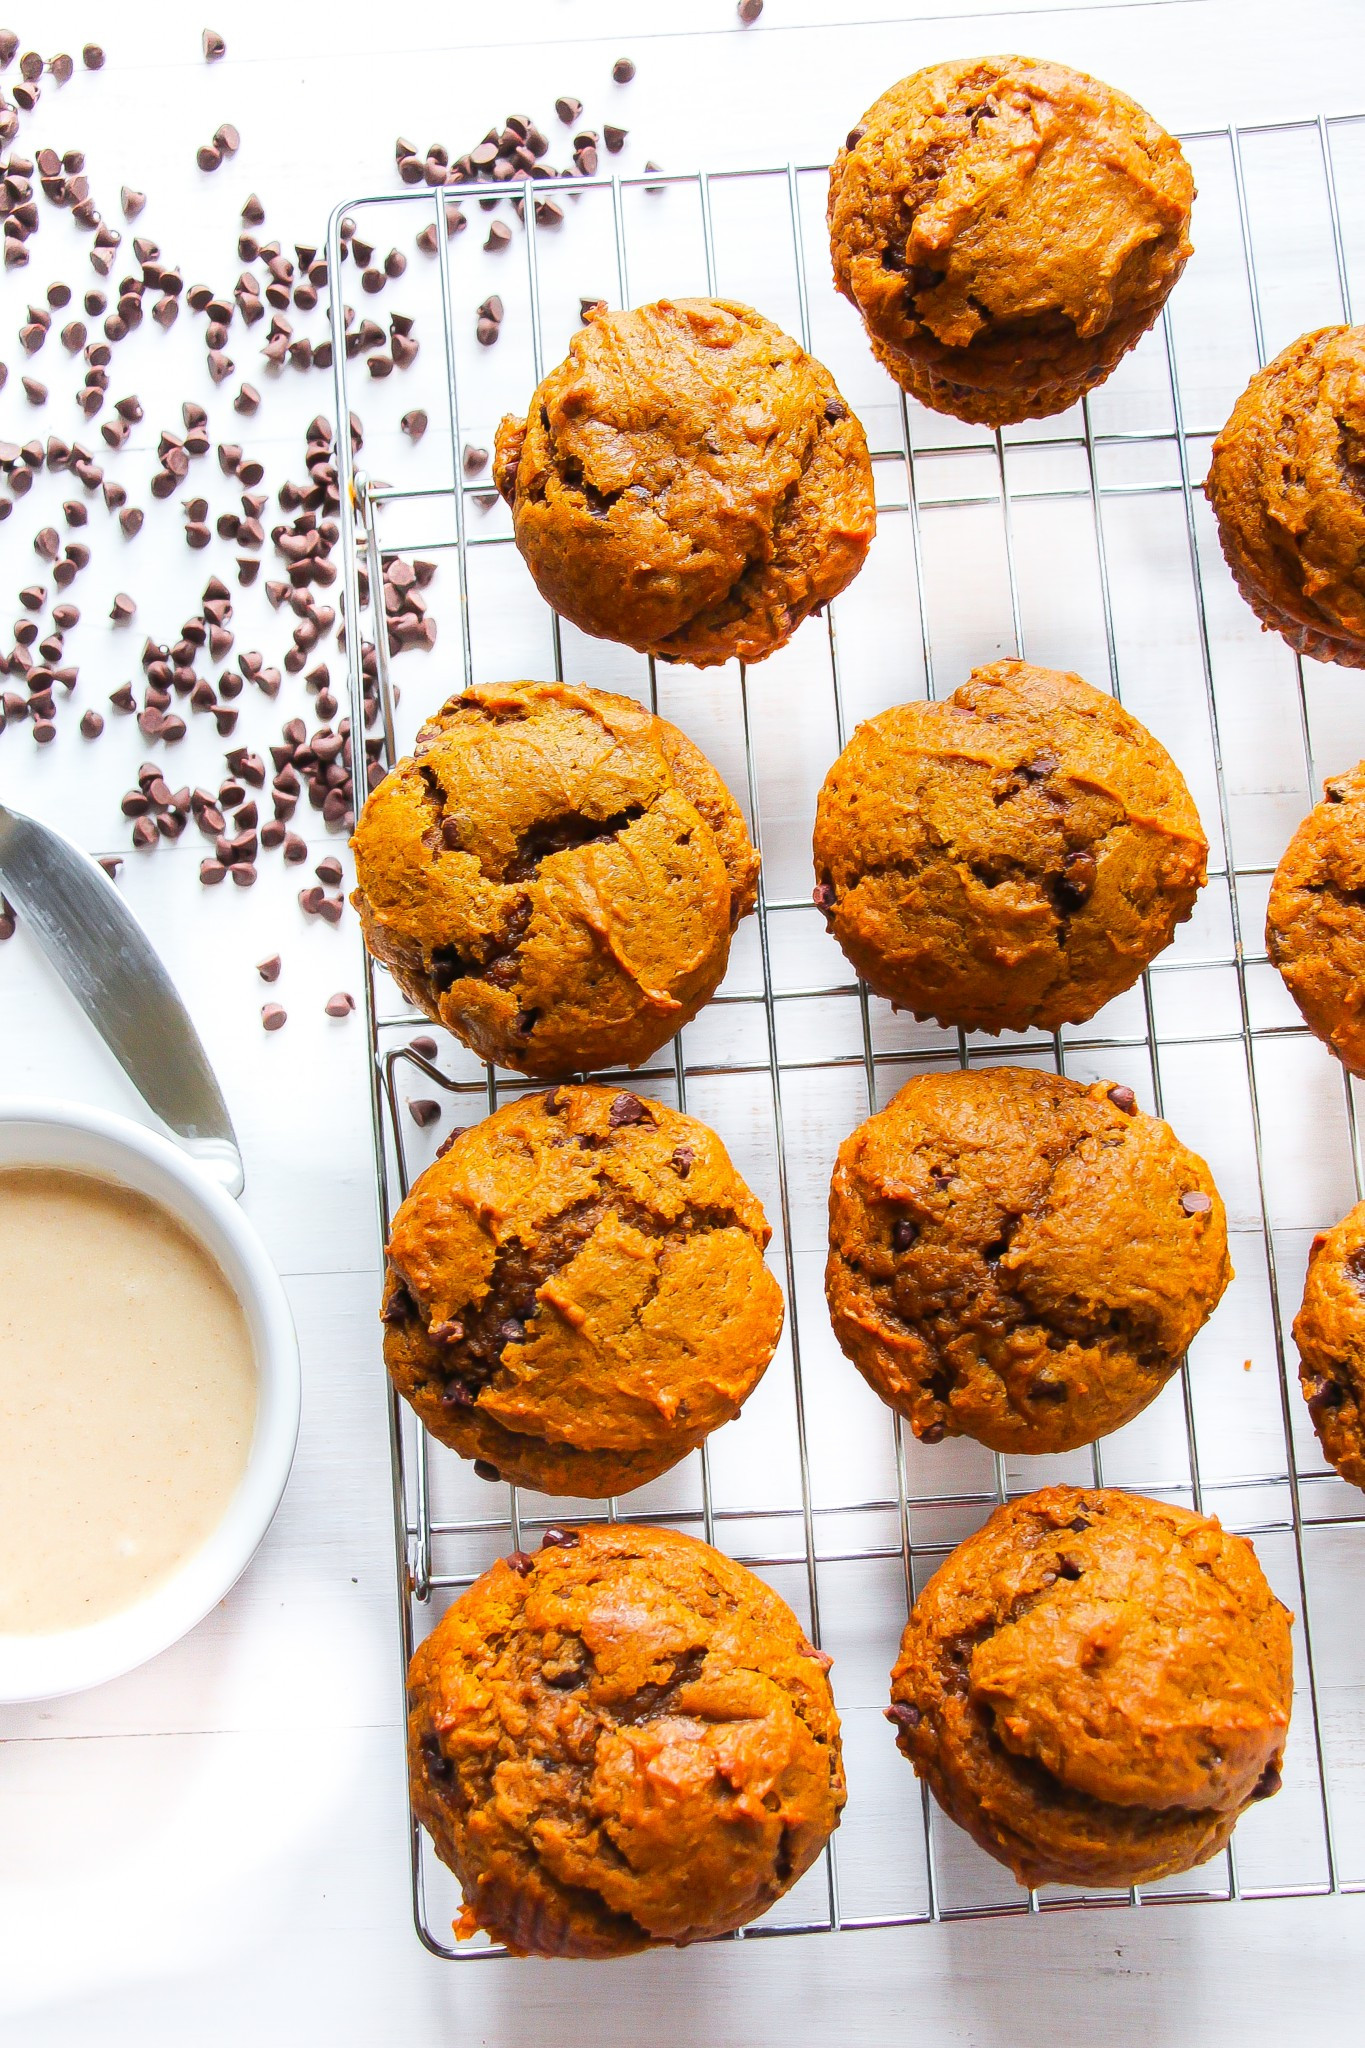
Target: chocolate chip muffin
x=1285, y=486
x=1011, y=857
x=688, y=481
x=1020, y=1259
x=1007, y=229
x=555, y=876
x=576, y=1292
x=621, y=1743
x=1329, y=1330
x=1096, y=1686
x=1315, y=918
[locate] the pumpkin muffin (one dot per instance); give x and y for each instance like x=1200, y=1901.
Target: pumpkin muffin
x=1285, y=486
x=1315, y=918
x=621, y=1743
x=688, y=481
x=555, y=876
x=576, y=1292
x=1011, y=857
x=1329, y=1330
x=1096, y=1686
x=1017, y=1258
x=1007, y=229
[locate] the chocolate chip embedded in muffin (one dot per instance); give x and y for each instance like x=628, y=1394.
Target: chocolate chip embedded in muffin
x=688, y=481
x=1285, y=487
x=1330, y=1333
x=555, y=875
x=576, y=1294
x=1096, y=1686
x=1315, y=918
x=1011, y=857
x=621, y=1743
x=1017, y=1258
x=1007, y=229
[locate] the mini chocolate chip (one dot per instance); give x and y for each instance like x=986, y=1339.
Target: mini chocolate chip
x=1080, y=1523
x=1268, y=1783
x=1195, y=1202
x=483, y=1470
x=560, y=1539
x=903, y=1234
x=446, y=1333
x=273, y=1016
x=521, y=1562
x=822, y=896
x=1074, y=885
x=214, y=46
x=835, y=409
x=512, y=1331
x=749, y=10
x=1068, y=1568
x=932, y=1433
x=682, y=1159
x=269, y=970
x=427, y=1047
x=1123, y=1098
x=339, y=1005
x=399, y=1306
x=626, y=1109
x=424, y=1111
x=623, y=71
x=902, y=1715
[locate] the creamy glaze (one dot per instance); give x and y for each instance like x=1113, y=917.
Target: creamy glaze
x=127, y=1398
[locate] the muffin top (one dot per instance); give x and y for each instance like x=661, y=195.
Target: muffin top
x=1018, y=1258
x=554, y=875
x=996, y=216
x=1095, y=1685
x=576, y=1290
x=1011, y=856
x=1315, y=918
x=623, y=1741
x=688, y=481
x=1330, y=1333
x=1285, y=484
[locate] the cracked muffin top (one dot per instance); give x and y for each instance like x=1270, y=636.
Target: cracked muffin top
x=1010, y=857
x=1007, y=230
x=1330, y=1333
x=576, y=1294
x=1017, y=1258
x=623, y=1742
x=1287, y=485
x=555, y=876
x=688, y=481
x=1315, y=918
x=1096, y=1686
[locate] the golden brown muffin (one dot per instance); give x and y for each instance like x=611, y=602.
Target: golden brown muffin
x=1014, y=856
x=1020, y=1259
x=1096, y=1686
x=688, y=481
x=1007, y=230
x=576, y=1291
x=555, y=876
x=623, y=1742
x=1285, y=486
x=1315, y=918
x=1329, y=1330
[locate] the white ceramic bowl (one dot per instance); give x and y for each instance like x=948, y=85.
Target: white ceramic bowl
x=63, y=1134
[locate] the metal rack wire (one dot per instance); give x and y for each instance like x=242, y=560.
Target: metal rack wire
x=791, y=1053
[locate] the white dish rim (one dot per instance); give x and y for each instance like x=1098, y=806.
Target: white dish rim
x=114, y=1148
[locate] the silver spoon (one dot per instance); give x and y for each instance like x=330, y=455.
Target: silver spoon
x=107, y=961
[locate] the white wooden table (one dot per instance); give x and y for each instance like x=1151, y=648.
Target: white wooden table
x=213, y=1849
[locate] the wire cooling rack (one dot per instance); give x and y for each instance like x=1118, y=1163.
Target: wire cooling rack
x=1085, y=543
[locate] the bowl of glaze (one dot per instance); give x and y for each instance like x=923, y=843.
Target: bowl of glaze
x=111, y=1149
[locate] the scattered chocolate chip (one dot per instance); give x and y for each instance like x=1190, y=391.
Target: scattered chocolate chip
x=560, y=1539
x=227, y=139
x=615, y=138
x=1123, y=1098
x=130, y=519
x=902, y=1715
x=932, y=1433
x=568, y=110
x=269, y=970
x=339, y=1005
x=424, y=1111
x=92, y=725
x=92, y=56
x=214, y=46
x=273, y=1016
x=626, y=1109
x=1196, y=1203
x=483, y=1470
x=520, y=1562
x=123, y=608
x=749, y=10
x=427, y=1047
x=623, y=71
